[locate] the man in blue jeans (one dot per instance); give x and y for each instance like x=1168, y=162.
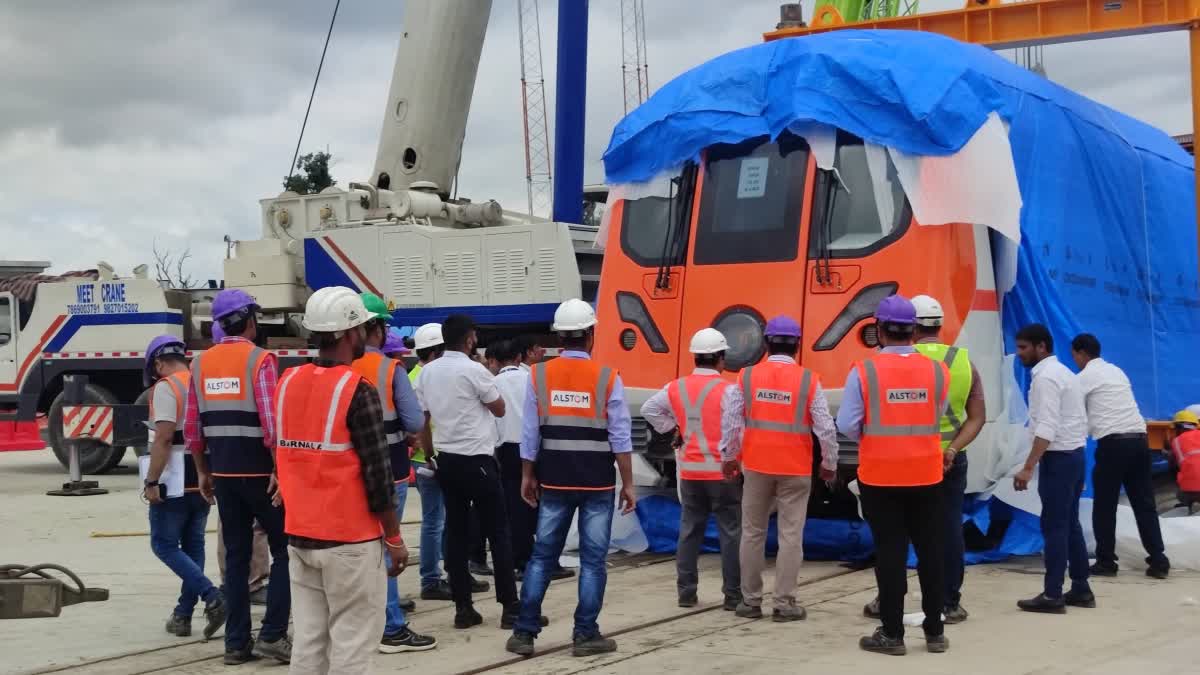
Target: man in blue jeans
x=1058, y=419
x=574, y=427
x=178, y=512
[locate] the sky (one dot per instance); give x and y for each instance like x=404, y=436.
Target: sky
x=131, y=125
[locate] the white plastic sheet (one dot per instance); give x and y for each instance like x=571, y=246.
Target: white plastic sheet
x=977, y=184
x=659, y=186
x=627, y=534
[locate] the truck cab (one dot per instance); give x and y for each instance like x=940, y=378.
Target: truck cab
x=757, y=229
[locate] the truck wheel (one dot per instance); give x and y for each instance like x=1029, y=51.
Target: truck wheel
x=144, y=447
x=94, y=457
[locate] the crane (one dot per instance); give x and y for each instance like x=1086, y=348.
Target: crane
x=538, y=179
x=635, y=72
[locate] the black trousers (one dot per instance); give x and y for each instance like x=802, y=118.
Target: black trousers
x=1124, y=460
x=472, y=482
x=898, y=515
x=522, y=518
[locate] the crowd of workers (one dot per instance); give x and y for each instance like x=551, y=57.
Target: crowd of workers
x=512, y=450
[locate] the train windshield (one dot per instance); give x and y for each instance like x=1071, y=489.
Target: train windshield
x=869, y=209
x=751, y=201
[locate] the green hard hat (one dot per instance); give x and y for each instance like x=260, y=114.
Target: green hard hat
x=376, y=306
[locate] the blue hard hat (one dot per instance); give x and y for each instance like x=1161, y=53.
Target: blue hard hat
x=896, y=309
x=231, y=300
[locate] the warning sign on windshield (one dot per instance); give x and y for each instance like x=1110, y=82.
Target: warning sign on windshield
x=752, y=177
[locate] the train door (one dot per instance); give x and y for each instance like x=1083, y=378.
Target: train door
x=747, y=262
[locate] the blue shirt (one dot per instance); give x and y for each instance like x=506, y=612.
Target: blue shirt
x=408, y=410
x=850, y=413
x=619, y=420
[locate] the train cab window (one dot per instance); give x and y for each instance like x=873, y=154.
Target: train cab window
x=750, y=202
x=869, y=211
x=646, y=232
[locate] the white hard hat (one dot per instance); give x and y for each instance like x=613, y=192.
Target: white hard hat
x=574, y=315
x=429, y=335
x=708, y=341
x=334, y=309
x=929, y=311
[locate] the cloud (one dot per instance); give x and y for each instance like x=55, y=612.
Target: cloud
x=134, y=122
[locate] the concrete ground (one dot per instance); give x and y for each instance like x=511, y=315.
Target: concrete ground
x=1140, y=624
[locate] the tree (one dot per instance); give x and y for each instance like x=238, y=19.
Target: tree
x=312, y=174
x=168, y=267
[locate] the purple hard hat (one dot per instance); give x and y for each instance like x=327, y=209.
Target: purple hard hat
x=161, y=346
x=394, y=344
x=231, y=300
x=782, y=326
x=896, y=309
x=218, y=333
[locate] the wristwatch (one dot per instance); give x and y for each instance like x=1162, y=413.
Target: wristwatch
x=151, y=483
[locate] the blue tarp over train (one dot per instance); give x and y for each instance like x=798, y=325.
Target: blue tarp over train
x=1108, y=220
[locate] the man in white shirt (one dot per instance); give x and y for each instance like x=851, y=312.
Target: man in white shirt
x=1059, y=423
x=513, y=383
x=460, y=398
x=1122, y=458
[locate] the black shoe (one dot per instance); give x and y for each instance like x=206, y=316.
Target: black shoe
x=731, y=604
x=748, y=611
x=466, y=616
x=1043, y=605
x=688, y=600
x=405, y=640
x=936, y=644
x=259, y=597
x=954, y=614
x=880, y=643
x=179, y=625
x=520, y=644
x=796, y=613
x=236, y=657
x=1103, y=569
x=214, y=615
x=561, y=572
x=597, y=644
x=407, y=604
x=439, y=591
x=479, y=586
x=508, y=618
x=279, y=649
x=871, y=609
x=1085, y=599
x=479, y=568
x=1158, y=570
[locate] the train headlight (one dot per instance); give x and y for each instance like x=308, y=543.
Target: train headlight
x=743, y=329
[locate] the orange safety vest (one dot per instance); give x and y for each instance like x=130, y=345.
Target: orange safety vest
x=696, y=402
x=178, y=382
x=904, y=395
x=572, y=397
x=778, y=399
x=1187, y=455
x=380, y=371
x=223, y=377
x=320, y=475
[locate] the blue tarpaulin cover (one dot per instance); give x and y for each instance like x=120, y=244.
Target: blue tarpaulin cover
x=1108, y=220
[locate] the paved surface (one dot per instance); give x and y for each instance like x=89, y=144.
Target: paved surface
x=1141, y=624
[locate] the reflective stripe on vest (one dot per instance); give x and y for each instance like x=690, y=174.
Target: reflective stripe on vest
x=320, y=474
x=379, y=371
x=797, y=426
x=227, y=415
x=959, y=364
x=692, y=417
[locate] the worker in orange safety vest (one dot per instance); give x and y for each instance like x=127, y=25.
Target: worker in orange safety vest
x=892, y=405
x=335, y=478
x=707, y=412
x=784, y=407
x=1185, y=456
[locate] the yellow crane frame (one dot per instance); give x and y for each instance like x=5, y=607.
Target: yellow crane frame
x=1043, y=22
